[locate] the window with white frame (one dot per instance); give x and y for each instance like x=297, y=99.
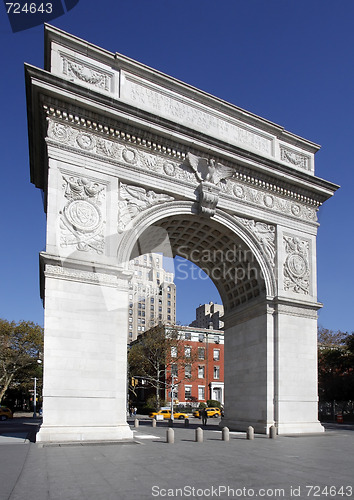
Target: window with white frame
x=201, y=352
x=187, y=391
x=201, y=371
x=201, y=392
x=216, y=354
x=174, y=351
x=216, y=372
x=174, y=369
x=188, y=371
x=187, y=351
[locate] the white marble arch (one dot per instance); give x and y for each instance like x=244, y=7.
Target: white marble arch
x=125, y=154
x=255, y=379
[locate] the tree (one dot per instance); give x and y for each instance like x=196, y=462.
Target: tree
x=335, y=365
x=156, y=356
x=21, y=345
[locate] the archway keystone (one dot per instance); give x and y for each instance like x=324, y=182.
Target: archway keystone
x=129, y=159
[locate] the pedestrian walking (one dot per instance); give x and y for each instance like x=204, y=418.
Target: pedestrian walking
x=204, y=415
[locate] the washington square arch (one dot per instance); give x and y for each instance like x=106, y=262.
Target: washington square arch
x=131, y=161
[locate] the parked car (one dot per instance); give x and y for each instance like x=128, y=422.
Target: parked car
x=167, y=414
x=211, y=412
x=5, y=413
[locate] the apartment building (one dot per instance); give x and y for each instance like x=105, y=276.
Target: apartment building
x=203, y=378
x=209, y=315
x=152, y=295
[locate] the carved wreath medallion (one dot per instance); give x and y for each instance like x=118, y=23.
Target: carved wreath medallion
x=81, y=220
x=296, y=265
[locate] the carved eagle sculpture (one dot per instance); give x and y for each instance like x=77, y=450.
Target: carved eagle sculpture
x=208, y=169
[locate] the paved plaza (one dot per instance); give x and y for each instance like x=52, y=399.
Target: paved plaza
x=317, y=466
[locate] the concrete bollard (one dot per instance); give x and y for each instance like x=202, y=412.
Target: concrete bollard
x=170, y=435
x=250, y=432
x=225, y=434
x=153, y=422
x=199, y=435
x=136, y=423
x=186, y=422
x=272, y=432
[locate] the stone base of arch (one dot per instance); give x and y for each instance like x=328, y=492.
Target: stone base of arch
x=80, y=433
x=85, y=352
x=271, y=360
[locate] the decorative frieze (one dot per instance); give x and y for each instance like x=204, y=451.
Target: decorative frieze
x=94, y=139
x=81, y=275
x=262, y=198
x=135, y=199
x=86, y=72
x=296, y=269
x=294, y=158
x=81, y=220
x=193, y=114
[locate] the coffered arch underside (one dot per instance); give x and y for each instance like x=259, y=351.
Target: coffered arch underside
x=237, y=254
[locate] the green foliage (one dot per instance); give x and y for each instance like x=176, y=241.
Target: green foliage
x=21, y=345
x=212, y=403
x=335, y=365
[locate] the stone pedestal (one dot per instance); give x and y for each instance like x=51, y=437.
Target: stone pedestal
x=85, y=352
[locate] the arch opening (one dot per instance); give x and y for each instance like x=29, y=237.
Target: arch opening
x=222, y=254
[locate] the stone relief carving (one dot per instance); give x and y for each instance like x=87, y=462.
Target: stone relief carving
x=80, y=275
x=133, y=200
x=296, y=266
x=209, y=173
x=294, y=158
x=86, y=73
x=273, y=202
x=81, y=220
x=208, y=169
x=240, y=186
x=265, y=234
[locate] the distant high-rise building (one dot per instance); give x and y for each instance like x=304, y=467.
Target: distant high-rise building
x=209, y=316
x=152, y=295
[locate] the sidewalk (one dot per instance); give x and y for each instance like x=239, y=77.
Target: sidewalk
x=287, y=467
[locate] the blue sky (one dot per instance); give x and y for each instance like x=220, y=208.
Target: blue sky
x=288, y=61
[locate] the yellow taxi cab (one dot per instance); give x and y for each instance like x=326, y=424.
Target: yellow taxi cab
x=167, y=414
x=5, y=413
x=211, y=412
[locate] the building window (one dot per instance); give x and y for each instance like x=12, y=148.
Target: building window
x=174, y=351
x=187, y=391
x=174, y=369
x=130, y=312
x=201, y=371
x=130, y=320
x=217, y=372
x=201, y=392
x=201, y=352
x=130, y=327
x=216, y=339
x=168, y=288
x=187, y=351
x=188, y=371
x=201, y=337
x=188, y=336
x=216, y=355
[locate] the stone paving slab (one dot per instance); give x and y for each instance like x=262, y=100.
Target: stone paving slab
x=285, y=467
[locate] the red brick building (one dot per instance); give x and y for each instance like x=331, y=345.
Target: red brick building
x=203, y=377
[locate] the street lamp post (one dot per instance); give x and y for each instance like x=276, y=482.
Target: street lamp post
x=35, y=398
